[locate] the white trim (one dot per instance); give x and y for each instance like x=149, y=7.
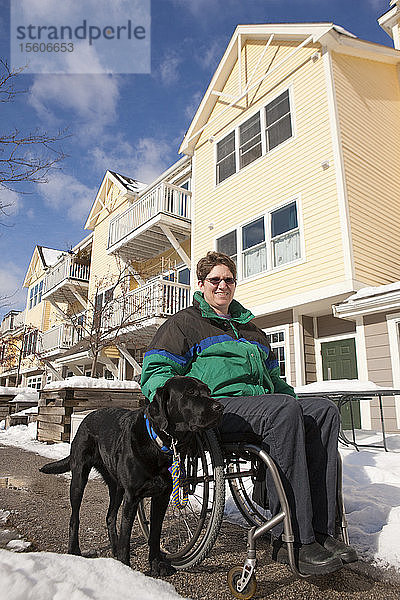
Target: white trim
x=339, y=165
x=329, y=293
x=193, y=277
x=323, y=340
x=298, y=336
x=362, y=368
x=393, y=323
x=286, y=343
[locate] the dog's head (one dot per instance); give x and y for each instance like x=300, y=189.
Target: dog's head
x=184, y=405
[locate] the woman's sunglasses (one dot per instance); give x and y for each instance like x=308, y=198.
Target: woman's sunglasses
x=216, y=280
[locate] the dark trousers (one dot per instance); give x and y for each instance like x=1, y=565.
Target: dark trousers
x=301, y=437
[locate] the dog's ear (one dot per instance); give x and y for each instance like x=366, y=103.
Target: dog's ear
x=157, y=409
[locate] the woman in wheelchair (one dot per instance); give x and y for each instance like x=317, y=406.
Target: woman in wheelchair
x=216, y=341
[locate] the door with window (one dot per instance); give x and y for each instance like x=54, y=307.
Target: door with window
x=339, y=361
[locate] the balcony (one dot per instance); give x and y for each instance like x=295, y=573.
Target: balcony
x=58, y=338
x=67, y=281
x=145, y=229
x=140, y=308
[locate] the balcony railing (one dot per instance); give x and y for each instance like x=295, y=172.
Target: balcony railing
x=58, y=338
x=65, y=269
x=165, y=198
x=159, y=298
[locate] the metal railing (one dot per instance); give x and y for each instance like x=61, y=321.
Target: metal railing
x=61, y=337
x=66, y=268
x=159, y=298
x=164, y=198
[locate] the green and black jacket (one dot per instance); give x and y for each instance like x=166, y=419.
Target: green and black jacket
x=232, y=356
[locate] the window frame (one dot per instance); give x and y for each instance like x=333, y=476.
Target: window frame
x=263, y=129
x=286, y=345
x=267, y=216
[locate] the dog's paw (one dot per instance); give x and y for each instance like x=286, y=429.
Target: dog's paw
x=161, y=568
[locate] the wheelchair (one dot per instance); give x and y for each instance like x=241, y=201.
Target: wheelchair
x=189, y=532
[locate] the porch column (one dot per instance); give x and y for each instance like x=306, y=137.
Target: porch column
x=298, y=347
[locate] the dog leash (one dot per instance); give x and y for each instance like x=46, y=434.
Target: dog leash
x=179, y=494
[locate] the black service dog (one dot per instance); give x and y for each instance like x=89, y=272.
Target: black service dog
x=134, y=461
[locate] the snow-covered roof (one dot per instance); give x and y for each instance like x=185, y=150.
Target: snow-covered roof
x=369, y=300
x=51, y=255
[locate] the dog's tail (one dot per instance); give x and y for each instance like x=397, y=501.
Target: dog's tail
x=60, y=466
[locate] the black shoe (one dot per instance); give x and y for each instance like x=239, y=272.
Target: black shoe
x=337, y=548
x=311, y=559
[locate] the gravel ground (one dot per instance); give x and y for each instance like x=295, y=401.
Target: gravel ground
x=40, y=511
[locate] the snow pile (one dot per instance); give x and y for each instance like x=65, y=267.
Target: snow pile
x=24, y=436
x=92, y=382
x=46, y=576
x=28, y=395
x=371, y=487
x=8, y=391
x=366, y=292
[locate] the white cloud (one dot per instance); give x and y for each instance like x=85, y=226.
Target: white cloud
x=193, y=105
x=92, y=99
x=210, y=55
x=169, y=68
x=379, y=4
x=144, y=161
x=12, y=294
x=64, y=192
x=197, y=7
x=10, y=202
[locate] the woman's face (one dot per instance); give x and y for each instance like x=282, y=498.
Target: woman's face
x=218, y=296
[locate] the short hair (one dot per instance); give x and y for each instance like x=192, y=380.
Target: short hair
x=208, y=262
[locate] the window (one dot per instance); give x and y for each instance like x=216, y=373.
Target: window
x=254, y=248
x=29, y=343
x=35, y=294
x=268, y=242
x=278, y=121
x=276, y=340
x=285, y=235
x=270, y=127
x=226, y=159
x=35, y=382
x=250, y=140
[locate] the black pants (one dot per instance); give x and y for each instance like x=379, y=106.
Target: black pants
x=301, y=437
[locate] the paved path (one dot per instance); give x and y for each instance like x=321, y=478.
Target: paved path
x=40, y=512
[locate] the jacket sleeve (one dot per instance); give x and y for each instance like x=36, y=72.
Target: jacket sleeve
x=280, y=386
x=169, y=354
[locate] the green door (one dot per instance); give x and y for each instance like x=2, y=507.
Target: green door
x=339, y=362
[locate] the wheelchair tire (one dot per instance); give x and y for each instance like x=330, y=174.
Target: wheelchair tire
x=241, y=488
x=189, y=533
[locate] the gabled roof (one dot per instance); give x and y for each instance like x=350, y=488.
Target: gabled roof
x=42, y=258
x=327, y=34
x=126, y=185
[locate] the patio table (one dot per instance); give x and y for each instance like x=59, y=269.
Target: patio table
x=344, y=397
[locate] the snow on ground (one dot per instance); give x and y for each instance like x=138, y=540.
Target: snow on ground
x=50, y=576
x=371, y=485
x=91, y=382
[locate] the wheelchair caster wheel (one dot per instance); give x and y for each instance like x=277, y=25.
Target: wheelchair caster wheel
x=234, y=576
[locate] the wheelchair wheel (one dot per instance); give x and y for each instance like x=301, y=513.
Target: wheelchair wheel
x=189, y=533
x=241, y=483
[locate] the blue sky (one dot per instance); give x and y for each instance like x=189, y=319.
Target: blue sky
x=132, y=123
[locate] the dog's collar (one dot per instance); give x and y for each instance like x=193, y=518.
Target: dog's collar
x=157, y=439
